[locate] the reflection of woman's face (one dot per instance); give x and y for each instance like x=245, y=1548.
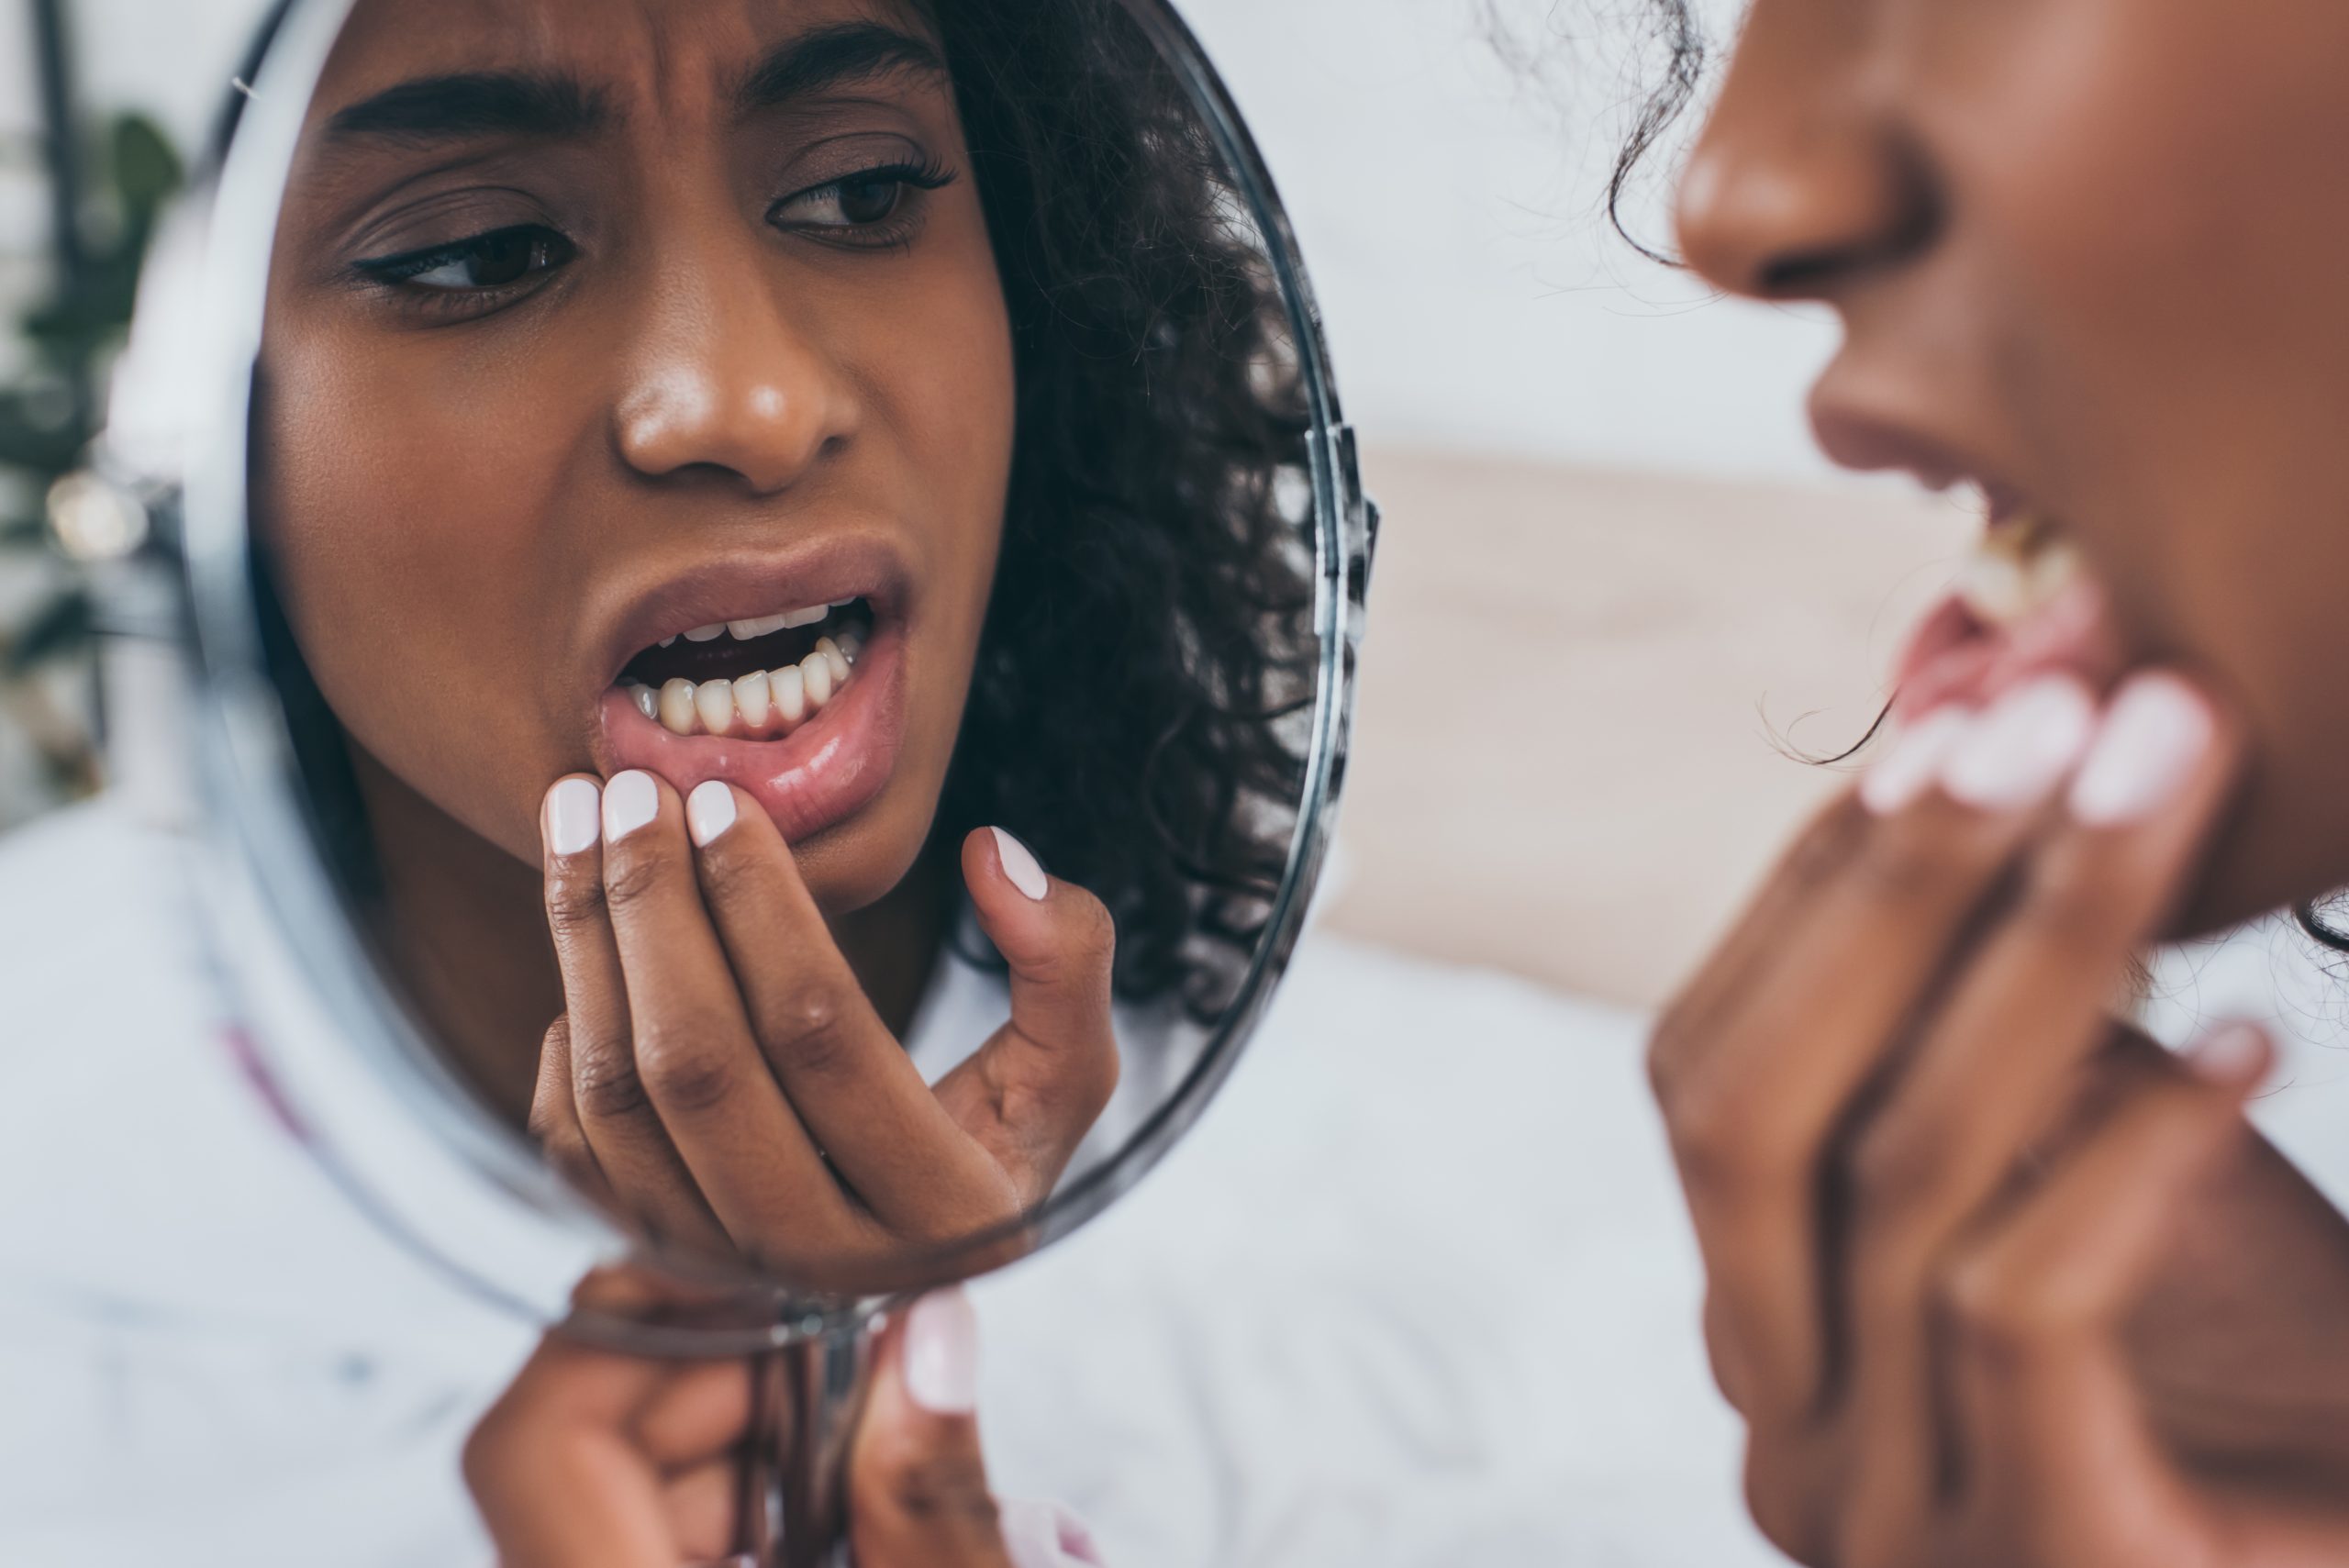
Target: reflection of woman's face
x=594, y=326
x=2086, y=251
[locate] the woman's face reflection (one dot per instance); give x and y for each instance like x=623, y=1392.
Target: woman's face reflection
x=595, y=323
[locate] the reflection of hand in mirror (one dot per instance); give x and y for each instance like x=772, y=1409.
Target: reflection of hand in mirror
x=720, y=1076
x=595, y=1460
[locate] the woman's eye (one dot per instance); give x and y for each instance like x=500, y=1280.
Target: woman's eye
x=482, y=262
x=867, y=200
x=855, y=203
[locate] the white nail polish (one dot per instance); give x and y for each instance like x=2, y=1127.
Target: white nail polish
x=1020, y=865
x=2155, y=734
x=2022, y=747
x=571, y=810
x=942, y=1353
x=709, y=811
x=2228, y=1056
x=630, y=801
x=1907, y=770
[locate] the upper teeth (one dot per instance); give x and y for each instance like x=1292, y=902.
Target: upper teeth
x=760, y=626
x=2016, y=570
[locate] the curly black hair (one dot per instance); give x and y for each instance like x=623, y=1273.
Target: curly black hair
x=1146, y=672
x=1148, y=653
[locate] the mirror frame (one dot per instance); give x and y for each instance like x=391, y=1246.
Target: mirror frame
x=333, y=1040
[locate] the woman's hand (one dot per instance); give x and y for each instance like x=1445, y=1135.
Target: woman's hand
x=1936, y=1199
x=596, y=1459
x=718, y=1075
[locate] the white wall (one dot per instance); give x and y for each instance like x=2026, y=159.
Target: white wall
x=1447, y=204
x=1450, y=210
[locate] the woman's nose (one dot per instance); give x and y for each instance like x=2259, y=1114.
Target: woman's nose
x=1800, y=185
x=724, y=380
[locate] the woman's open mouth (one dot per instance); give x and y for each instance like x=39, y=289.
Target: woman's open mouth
x=760, y=678
x=2024, y=603
x=802, y=708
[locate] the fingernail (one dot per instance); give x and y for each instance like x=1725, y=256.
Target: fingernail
x=1906, y=770
x=2020, y=750
x=942, y=1353
x=2154, y=736
x=1020, y=865
x=2235, y=1055
x=709, y=811
x=571, y=813
x=630, y=801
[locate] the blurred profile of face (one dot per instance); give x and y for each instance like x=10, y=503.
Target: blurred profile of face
x=637, y=391
x=2083, y=254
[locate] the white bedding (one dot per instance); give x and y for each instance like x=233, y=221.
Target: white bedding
x=1416, y=1292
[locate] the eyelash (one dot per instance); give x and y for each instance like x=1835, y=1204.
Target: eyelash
x=897, y=229
x=550, y=250
x=395, y=274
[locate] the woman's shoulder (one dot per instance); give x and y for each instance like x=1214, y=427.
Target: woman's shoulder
x=164, y=1180
x=202, y=1330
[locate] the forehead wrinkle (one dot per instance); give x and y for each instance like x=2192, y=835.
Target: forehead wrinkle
x=592, y=92
x=838, y=55
x=552, y=105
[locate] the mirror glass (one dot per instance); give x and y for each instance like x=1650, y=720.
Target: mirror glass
x=777, y=630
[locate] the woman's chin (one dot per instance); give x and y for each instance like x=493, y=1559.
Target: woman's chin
x=860, y=862
x=2255, y=866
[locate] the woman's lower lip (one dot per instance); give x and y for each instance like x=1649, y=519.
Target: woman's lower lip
x=824, y=772
x=1957, y=657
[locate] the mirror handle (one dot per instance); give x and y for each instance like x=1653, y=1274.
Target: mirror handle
x=806, y=1400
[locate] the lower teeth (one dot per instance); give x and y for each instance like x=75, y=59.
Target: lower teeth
x=763, y=704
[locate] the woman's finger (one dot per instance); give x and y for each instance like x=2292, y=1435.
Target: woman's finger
x=1036, y=1088
x=2056, y=1455
x=705, y=1509
x=554, y=1473
x=918, y=1484
x=2001, y=1062
x=595, y=1460
x=614, y=1121
x=554, y=1117
x=1753, y=1126
x=750, y=1161
x=1816, y=858
x=845, y=1075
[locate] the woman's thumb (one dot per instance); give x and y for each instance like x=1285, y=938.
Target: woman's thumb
x=918, y=1486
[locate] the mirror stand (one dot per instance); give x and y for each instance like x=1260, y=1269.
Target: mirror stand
x=806, y=1399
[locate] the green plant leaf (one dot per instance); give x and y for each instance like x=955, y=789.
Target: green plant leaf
x=40, y=445
x=145, y=168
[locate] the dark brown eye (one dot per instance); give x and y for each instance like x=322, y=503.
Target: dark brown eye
x=863, y=208
x=505, y=257
x=866, y=201
x=498, y=258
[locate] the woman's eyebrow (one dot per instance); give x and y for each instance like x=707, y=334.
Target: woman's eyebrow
x=432, y=109
x=825, y=58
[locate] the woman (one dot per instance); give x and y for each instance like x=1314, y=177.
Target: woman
x=1990, y=1278
x=1988, y=1282
x=714, y=463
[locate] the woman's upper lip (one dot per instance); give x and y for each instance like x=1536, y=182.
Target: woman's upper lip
x=1869, y=441
x=742, y=585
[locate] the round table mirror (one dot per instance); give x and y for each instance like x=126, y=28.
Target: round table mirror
x=771, y=587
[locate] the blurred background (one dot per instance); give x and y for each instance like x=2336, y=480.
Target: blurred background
x=1617, y=586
